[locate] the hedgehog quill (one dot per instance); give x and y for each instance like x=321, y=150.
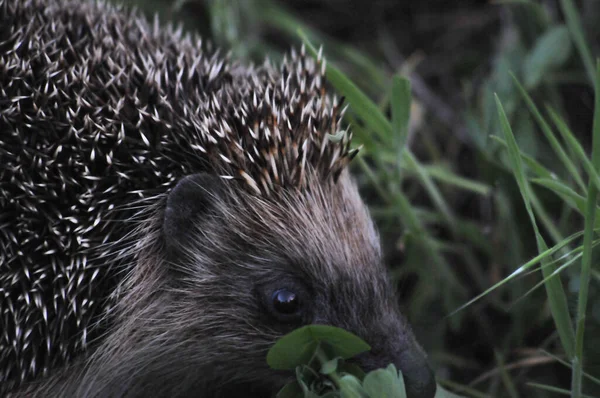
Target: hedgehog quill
x=167, y=213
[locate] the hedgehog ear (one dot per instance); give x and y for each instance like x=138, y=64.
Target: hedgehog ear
x=192, y=199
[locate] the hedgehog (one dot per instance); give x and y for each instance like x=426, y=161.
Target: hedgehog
x=167, y=213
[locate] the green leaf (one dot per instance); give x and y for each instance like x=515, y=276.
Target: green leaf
x=330, y=366
x=288, y=355
x=298, y=347
x=385, y=383
x=291, y=390
x=350, y=387
x=551, y=50
x=352, y=369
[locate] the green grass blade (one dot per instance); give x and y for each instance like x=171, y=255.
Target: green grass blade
x=463, y=389
x=556, y=390
x=277, y=15
x=432, y=190
x=378, y=187
x=374, y=118
x=556, y=146
x=565, y=265
x=400, y=104
x=568, y=365
x=570, y=197
x=537, y=204
x=546, y=219
x=506, y=380
x=543, y=256
x=576, y=29
x=413, y=225
x=551, y=50
x=564, y=191
x=444, y=175
x=554, y=289
x=586, y=262
x=533, y=164
x=578, y=150
x=359, y=102
x=361, y=135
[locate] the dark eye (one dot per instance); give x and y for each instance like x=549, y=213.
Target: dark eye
x=285, y=302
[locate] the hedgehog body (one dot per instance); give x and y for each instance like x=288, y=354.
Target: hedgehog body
x=147, y=180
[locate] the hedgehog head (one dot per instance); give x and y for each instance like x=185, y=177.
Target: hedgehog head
x=235, y=271
x=229, y=272
x=268, y=266
x=295, y=246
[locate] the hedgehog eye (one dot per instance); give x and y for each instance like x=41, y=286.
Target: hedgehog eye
x=285, y=302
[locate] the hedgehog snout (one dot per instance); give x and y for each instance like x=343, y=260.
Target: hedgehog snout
x=419, y=379
x=418, y=376
x=393, y=342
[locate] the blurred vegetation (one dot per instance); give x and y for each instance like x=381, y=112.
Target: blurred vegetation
x=470, y=190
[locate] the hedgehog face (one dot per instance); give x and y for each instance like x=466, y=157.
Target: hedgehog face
x=269, y=265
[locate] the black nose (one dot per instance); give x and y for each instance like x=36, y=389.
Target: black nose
x=418, y=376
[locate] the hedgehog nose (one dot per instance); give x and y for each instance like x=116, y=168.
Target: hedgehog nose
x=418, y=376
